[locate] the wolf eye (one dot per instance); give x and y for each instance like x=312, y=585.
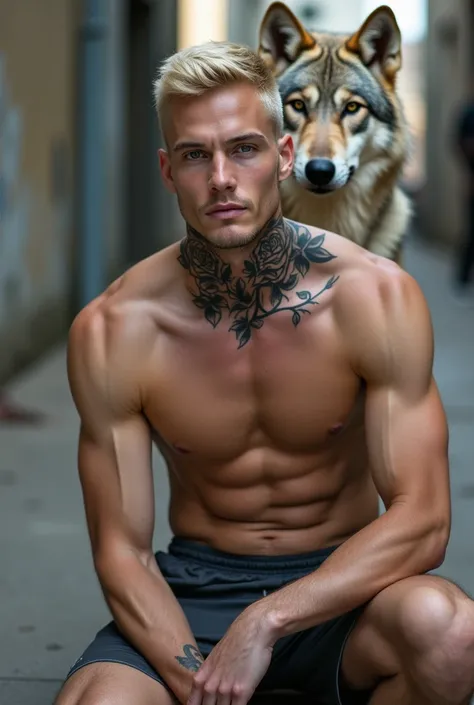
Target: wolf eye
x=353, y=107
x=298, y=105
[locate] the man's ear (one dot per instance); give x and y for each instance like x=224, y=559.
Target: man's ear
x=378, y=43
x=165, y=168
x=286, y=148
x=282, y=38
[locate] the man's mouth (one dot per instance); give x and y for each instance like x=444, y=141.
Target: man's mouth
x=225, y=210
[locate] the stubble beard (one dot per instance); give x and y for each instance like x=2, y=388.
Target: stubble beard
x=234, y=242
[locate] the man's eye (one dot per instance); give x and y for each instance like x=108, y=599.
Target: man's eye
x=195, y=154
x=246, y=148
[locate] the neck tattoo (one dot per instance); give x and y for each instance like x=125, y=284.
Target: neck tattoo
x=282, y=256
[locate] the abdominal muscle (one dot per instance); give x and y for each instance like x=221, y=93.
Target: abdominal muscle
x=266, y=504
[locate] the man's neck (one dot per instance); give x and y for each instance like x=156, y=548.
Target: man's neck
x=237, y=257
x=255, y=281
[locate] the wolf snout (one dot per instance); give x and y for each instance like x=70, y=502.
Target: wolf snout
x=320, y=172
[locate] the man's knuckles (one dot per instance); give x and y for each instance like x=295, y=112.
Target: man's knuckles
x=200, y=678
x=209, y=687
x=240, y=691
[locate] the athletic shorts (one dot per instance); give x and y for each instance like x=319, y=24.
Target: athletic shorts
x=213, y=588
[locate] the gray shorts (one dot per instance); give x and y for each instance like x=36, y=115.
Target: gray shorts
x=213, y=588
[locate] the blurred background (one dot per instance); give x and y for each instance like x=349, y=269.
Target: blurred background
x=80, y=191
x=81, y=200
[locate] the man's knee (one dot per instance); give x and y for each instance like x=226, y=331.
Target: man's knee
x=434, y=615
x=88, y=686
x=90, y=696
x=436, y=638
x=426, y=613
x=109, y=684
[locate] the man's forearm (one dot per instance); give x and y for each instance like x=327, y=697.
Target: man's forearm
x=149, y=615
x=393, y=547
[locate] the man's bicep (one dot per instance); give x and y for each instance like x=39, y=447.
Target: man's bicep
x=115, y=470
x=115, y=464
x=407, y=442
x=405, y=420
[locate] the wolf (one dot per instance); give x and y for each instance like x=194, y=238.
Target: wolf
x=347, y=121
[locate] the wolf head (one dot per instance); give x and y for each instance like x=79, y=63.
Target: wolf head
x=339, y=95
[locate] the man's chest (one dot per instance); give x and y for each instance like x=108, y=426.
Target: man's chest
x=293, y=391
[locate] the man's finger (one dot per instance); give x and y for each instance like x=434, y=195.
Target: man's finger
x=224, y=695
x=209, y=694
x=240, y=695
x=195, y=696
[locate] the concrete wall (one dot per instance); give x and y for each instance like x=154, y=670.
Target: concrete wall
x=37, y=156
x=40, y=135
x=448, y=62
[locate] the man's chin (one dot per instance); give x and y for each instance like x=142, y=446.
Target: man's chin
x=230, y=236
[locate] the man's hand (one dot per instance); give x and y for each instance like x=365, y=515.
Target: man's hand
x=237, y=664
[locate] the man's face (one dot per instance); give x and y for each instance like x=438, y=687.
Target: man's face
x=224, y=163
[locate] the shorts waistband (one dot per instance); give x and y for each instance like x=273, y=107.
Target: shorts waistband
x=206, y=555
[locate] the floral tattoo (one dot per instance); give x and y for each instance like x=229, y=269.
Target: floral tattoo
x=282, y=256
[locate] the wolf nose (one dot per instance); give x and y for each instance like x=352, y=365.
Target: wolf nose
x=320, y=172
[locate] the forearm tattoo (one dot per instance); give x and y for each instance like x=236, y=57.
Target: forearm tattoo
x=282, y=256
x=192, y=658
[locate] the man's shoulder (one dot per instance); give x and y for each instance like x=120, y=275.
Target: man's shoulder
x=365, y=281
x=382, y=313
x=374, y=280
x=368, y=279
x=125, y=316
x=117, y=316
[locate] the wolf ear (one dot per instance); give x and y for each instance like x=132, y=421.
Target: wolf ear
x=282, y=37
x=379, y=43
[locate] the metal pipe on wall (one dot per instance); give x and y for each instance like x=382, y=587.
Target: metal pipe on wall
x=92, y=183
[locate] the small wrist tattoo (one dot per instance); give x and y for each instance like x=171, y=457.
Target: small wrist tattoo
x=192, y=659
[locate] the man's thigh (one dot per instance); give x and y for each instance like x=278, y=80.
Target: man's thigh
x=403, y=619
x=310, y=662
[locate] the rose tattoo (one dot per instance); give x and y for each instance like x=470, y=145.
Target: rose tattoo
x=283, y=255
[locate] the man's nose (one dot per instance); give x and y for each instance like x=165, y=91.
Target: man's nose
x=222, y=176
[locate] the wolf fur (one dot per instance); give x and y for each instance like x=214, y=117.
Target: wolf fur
x=351, y=138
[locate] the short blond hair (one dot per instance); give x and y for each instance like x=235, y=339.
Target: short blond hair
x=198, y=69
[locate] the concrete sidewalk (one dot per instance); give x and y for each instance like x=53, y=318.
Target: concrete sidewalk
x=50, y=601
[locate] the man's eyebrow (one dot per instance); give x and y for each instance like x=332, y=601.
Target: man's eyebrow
x=247, y=137
x=179, y=146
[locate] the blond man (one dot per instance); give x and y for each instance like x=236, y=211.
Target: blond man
x=286, y=376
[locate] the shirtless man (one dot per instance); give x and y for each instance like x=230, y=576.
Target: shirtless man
x=286, y=376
